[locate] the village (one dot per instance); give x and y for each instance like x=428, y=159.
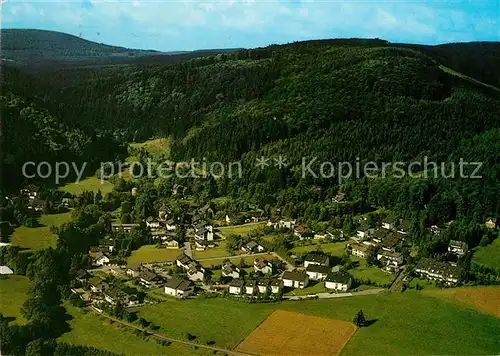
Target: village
x=267, y=276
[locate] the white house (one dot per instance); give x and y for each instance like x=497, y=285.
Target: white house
x=390, y=258
x=170, y=225
x=100, y=259
x=436, y=270
x=317, y=272
x=263, y=266
x=250, y=287
x=359, y=250
x=295, y=279
x=315, y=259
x=152, y=223
x=276, y=286
x=263, y=285
x=203, y=245
x=236, y=286
x=365, y=232
x=171, y=243
x=179, y=287
x=459, y=248
x=230, y=270
x=6, y=270
x=252, y=247
x=338, y=281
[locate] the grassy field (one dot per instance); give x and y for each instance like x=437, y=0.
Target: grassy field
x=326, y=336
x=39, y=237
x=92, y=184
x=223, y=321
x=156, y=148
x=484, y=299
x=374, y=274
x=150, y=253
x=488, y=256
x=13, y=293
x=90, y=329
x=241, y=229
x=400, y=323
x=219, y=251
x=334, y=249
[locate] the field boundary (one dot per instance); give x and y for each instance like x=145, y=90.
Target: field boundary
x=163, y=337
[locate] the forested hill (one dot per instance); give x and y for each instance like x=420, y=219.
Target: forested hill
x=34, y=49
x=335, y=99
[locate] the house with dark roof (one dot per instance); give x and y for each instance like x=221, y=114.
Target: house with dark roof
x=458, y=248
x=252, y=246
x=263, y=285
x=230, y=270
x=179, y=287
x=236, y=286
x=202, y=245
x=437, y=270
x=149, y=279
x=276, y=286
x=338, y=281
x=317, y=272
x=251, y=287
x=295, y=279
x=359, y=250
x=263, y=266
x=316, y=259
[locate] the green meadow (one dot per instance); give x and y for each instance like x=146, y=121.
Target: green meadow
x=13, y=293
x=40, y=237
x=489, y=255
x=91, y=329
x=402, y=323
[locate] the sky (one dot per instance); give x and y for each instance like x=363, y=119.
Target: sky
x=170, y=25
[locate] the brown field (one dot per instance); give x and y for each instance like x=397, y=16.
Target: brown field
x=290, y=334
x=484, y=299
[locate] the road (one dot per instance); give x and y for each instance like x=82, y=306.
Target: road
x=187, y=249
x=189, y=343
x=339, y=295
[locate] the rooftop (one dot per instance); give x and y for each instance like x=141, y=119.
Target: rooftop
x=295, y=275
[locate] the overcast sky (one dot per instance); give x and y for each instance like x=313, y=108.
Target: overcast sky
x=188, y=25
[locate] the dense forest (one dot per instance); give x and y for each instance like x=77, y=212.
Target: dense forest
x=337, y=100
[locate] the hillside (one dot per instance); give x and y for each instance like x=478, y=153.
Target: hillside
x=33, y=48
x=336, y=100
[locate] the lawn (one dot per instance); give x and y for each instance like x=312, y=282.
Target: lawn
x=39, y=237
x=150, y=253
x=92, y=184
x=241, y=229
x=156, y=148
x=334, y=249
x=488, y=256
x=219, y=251
x=401, y=323
x=374, y=274
x=484, y=299
x=13, y=293
x=224, y=321
x=91, y=329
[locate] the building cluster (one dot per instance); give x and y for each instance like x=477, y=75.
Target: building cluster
x=437, y=271
x=386, y=240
